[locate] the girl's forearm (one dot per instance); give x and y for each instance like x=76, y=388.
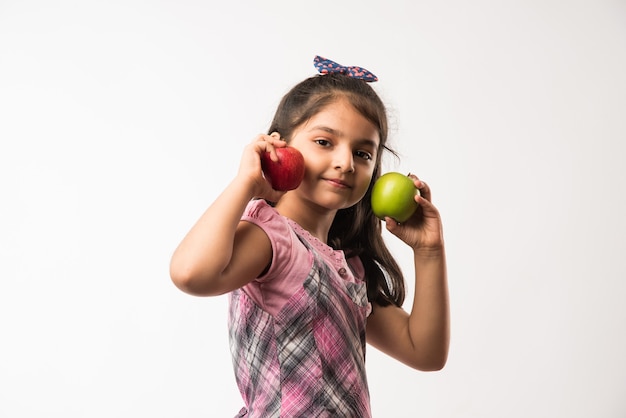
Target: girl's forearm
x=207, y=248
x=429, y=321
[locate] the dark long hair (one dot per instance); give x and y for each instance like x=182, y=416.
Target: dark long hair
x=355, y=230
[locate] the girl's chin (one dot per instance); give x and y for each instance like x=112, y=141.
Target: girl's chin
x=337, y=205
x=330, y=200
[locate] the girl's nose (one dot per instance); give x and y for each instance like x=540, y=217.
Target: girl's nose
x=344, y=161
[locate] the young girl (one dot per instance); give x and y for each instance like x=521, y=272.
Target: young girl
x=309, y=277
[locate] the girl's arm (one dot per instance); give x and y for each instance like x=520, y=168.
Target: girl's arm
x=220, y=252
x=420, y=339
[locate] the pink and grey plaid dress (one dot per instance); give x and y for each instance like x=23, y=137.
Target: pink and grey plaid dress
x=305, y=358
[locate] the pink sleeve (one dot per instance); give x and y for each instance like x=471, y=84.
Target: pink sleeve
x=279, y=233
x=291, y=261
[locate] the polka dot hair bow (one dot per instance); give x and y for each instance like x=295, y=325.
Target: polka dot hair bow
x=325, y=66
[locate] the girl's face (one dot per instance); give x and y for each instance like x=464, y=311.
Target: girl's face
x=339, y=147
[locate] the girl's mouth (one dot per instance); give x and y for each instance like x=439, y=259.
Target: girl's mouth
x=339, y=183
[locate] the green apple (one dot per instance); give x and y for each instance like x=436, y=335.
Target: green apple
x=393, y=195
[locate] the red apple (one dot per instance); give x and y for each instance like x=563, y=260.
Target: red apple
x=286, y=173
x=393, y=195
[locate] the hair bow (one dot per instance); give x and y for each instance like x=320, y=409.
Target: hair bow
x=325, y=66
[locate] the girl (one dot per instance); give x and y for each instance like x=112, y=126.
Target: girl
x=309, y=277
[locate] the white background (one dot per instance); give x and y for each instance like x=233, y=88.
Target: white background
x=120, y=121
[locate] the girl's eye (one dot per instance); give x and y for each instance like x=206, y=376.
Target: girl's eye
x=364, y=154
x=322, y=142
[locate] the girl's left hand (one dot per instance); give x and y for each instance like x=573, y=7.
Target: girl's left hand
x=423, y=231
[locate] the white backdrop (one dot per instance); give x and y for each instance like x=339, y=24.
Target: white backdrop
x=121, y=120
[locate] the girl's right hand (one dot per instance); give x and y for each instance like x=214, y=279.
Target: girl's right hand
x=250, y=169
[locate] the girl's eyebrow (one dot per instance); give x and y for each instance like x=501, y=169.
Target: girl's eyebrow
x=368, y=143
x=335, y=132
x=326, y=129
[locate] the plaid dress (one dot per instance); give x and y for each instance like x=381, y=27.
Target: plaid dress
x=307, y=360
